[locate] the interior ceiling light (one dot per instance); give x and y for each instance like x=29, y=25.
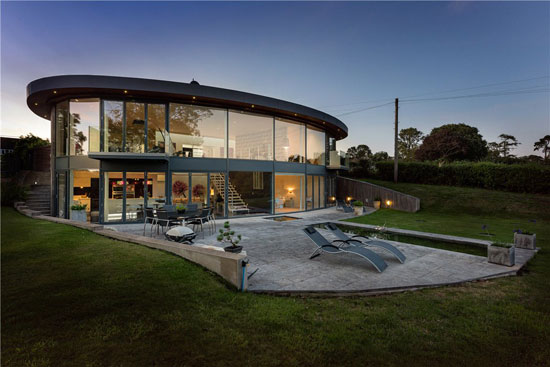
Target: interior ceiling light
x=125, y=92
x=194, y=97
x=54, y=92
x=36, y=103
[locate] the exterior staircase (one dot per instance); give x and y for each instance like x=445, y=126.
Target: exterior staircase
x=235, y=203
x=38, y=199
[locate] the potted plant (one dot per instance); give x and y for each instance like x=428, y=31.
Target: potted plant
x=376, y=202
x=525, y=239
x=179, y=189
x=78, y=212
x=180, y=208
x=227, y=236
x=501, y=253
x=357, y=207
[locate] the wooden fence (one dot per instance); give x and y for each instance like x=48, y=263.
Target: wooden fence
x=367, y=192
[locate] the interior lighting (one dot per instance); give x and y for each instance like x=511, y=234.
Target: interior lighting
x=54, y=92
x=125, y=92
x=388, y=203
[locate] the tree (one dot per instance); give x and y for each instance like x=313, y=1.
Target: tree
x=380, y=156
x=23, y=148
x=452, y=142
x=544, y=145
x=493, y=151
x=507, y=143
x=360, y=160
x=408, y=142
x=358, y=153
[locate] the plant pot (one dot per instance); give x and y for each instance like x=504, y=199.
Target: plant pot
x=501, y=255
x=376, y=204
x=358, y=210
x=526, y=241
x=78, y=215
x=233, y=249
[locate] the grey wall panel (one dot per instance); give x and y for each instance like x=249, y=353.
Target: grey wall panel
x=198, y=164
x=61, y=163
x=134, y=165
x=250, y=165
x=290, y=167
x=313, y=169
x=83, y=162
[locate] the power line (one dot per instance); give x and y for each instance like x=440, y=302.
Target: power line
x=363, y=109
x=530, y=90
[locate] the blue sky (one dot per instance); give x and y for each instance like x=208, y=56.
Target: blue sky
x=326, y=55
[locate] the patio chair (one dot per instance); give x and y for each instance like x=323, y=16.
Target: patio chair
x=366, y=241
x=199, y=220
x=341, y=204
x=164, y=220
x=341, y=246
x=150, y=218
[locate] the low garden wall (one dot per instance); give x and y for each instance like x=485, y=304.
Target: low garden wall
x=228, y=265
x=367, y=192
x=529, y=178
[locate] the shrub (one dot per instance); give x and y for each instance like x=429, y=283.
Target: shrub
x=531, y=178
x=12, y=192
x=357, y=203
x=78, y=207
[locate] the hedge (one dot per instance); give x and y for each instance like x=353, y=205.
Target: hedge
x=531, y=178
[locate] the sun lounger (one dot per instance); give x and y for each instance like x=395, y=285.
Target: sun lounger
x=365, y=241
x=341, y=205
x=340, y=246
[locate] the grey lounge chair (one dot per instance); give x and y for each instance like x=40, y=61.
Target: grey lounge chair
x=323, y=245
x=341, y=204
x=365, y=241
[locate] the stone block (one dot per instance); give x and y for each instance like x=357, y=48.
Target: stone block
x=526, y=241
x=501, y=255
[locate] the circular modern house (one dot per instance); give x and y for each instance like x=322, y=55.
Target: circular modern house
x=120, y=145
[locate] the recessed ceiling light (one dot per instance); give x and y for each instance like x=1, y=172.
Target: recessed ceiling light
x=125, y=92
x=194, y=97
x=76, y=100
x=36, y=103
x=295, y=114
x=54, y=92
x=252, y=106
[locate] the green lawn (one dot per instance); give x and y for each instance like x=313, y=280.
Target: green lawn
x=73, y=298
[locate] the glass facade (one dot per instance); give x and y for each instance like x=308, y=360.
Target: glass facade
x=289, y=193
x=156, y=189
x=113, y=196
x=135, y=127
x=84, y=126
x=180, y=188
x=250, y=136
x=156, y=128
x=199, y=185
x=315, y=146
x=197, y=131
x=290, y=140
x=61, y=128
x=85, y=191
x=113, y=116
x=61, y=194
x=249, y=193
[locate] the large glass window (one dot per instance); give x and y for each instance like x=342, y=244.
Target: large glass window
x=310, y=192
x=199, y=182
x=322, y=191
x=135, y=127
x=316, y=192
x=156, y=189
x=180, y=188
x=61, y=128
x=289, y=193
x=197, y=131
x=113, y=120
x=61, y=194
x=290, y=138
x=217, y=193
x=315, y=146
x=135, y=194
x=86, y=192
x=249, y=193
x=114, y=196
x=250, y=136
x=156, y=128
x=84, y=126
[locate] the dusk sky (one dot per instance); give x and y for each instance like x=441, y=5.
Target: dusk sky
x=336, y=57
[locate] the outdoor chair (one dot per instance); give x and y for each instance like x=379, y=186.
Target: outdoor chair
x=164, y=220
x=169, y=208
x=150, y=218
x=365, y=241
x=341, y=205
x=199, y=220
x=341, y=246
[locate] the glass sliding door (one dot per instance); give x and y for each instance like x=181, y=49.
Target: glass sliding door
x=135, y=127
x=135, y=196
x=113, y=196
x=199, y=183
x=322, y=193
x=156, y=189
x=85, y=191
x=217, y=193
x=180, y=188
x=113, y=115
x=61, y=128
x=249, y=193
x=316, y=192
x=289, y=192
x=310, y=192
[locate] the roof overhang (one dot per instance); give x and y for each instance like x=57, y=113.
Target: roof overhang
x=43, y=93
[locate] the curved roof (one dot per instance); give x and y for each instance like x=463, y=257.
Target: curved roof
x=43, y=93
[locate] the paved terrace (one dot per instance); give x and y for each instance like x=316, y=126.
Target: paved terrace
x=280, y=251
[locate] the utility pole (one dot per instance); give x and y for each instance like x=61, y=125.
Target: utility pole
x=395, y=150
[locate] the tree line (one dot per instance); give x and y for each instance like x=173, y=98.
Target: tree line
x=448, y=143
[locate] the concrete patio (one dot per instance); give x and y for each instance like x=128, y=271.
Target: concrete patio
x=280, y=251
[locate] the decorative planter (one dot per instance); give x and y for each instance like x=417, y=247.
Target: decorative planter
x=233, y=249
x=78, y=215
x=527, y=241
x=376, y=204
x=358, y=210
x=501, y=255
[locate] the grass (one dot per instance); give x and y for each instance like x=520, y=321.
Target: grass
x=73, y=298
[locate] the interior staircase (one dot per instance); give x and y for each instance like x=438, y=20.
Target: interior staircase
x=38, y=199
x=235, y=202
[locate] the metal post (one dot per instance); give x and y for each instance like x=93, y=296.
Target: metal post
x=396, y=151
